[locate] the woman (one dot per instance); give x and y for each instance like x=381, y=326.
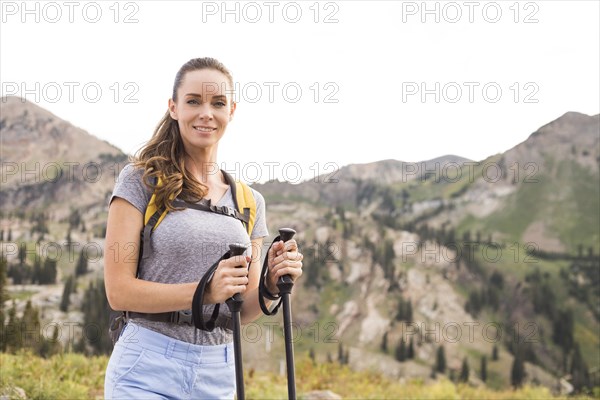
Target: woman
x=155, y=359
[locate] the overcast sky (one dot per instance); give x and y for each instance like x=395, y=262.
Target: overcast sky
x=320, y=84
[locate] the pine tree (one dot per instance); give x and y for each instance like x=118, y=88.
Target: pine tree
x=50, y=347
x=30, y=327
x=563, y=329
x=517, y=373
x=74, y=219
x=411, y=349
x=405, y=312
x=68, y=241
x=36, y=276
x=440, y=361
x=464, y=371
x=579, y=371
x=96, y=313
x=55, y=346
x=82, y=265
x=312, y=356
x=48, y=275
x=384, y=343
x=433, y=374
x=329, y=358
x=13, y=340
x=400, y=312
x=68, y=289
x=497, y=280
x=474, y=304
x=495, y=353
x=401, y=351
x=341, y=353
x=22, y=253
x=564, y=362
x=483, y=370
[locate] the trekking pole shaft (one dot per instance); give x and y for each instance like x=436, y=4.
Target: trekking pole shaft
x=285, y=284
x=235, y=305
x=289, y=347
x=237, y=351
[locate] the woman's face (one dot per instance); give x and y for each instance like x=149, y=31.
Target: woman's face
x=203, y=109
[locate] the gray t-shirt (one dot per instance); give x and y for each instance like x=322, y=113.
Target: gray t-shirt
x=184, y=246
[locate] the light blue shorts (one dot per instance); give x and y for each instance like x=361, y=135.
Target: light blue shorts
x=149, y=365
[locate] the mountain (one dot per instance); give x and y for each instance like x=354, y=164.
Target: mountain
x=543, y=190
x=512, y=241
x=558, y=192
x=49, y=164
x=449, y=255
x=388, y=172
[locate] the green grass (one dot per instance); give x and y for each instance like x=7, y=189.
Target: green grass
x=495, y=380
x=20, y=295
x=70, y=376
x=524, y=206
x=581, y=224
x=566, y=197
x=586, y=335
x=74, y=376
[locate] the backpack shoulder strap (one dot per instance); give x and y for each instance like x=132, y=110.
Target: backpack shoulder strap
x=152, y=217
x=152, y=209
x=243, y=198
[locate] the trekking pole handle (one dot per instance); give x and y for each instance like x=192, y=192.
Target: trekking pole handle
x=236, y=250
x=286, y=234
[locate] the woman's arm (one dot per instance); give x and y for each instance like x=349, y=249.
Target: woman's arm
x=251, y=308
x=124, y=291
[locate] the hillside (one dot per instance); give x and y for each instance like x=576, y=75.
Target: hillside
x=543, y=190
x=468, y=244
x=47, y=163
x=452, y=258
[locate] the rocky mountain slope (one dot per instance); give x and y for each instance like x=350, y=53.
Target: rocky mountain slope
x=47, y=163
x=448, y=254
x=471, y=245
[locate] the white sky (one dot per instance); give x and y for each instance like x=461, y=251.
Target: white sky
x=369, y=61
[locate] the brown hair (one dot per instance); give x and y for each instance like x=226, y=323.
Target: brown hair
x=163, y=155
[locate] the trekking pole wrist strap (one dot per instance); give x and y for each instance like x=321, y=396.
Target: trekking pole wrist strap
x=197, y=301
x=263, y=292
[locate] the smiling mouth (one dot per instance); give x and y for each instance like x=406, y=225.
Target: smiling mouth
x=204, y=128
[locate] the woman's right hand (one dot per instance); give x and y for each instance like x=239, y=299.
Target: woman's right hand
x=230, y=277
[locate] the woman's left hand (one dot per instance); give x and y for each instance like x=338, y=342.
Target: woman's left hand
x=284, y=259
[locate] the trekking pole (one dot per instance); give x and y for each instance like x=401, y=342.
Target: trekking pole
x=285, y=284
x=235, y=305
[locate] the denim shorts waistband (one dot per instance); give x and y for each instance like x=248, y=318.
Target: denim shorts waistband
x=136, y=336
